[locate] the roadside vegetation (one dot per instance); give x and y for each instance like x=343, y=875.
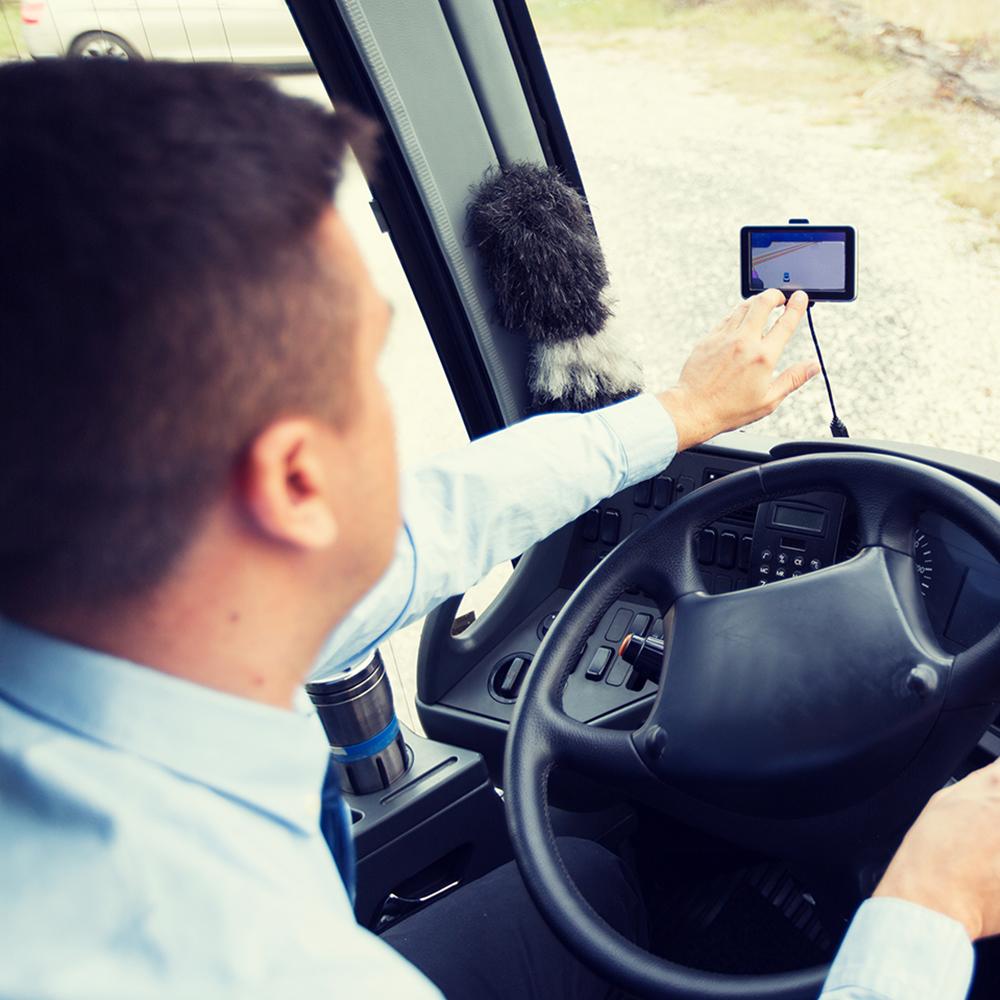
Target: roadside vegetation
x=974, y=25
x=754, y=47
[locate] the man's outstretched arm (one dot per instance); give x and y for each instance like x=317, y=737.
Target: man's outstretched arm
x=467, y=510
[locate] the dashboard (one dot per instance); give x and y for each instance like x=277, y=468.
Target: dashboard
x=764, y=545
x=960, y=582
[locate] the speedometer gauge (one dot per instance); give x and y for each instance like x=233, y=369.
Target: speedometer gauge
x=923, y=556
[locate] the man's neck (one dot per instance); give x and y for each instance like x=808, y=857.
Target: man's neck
x=230, y=618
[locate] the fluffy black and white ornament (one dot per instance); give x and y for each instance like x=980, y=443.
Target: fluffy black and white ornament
x=544, y=264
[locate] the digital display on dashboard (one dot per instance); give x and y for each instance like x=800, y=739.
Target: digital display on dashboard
x=798, y=517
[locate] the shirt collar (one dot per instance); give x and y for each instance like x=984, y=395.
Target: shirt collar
x=272, y=760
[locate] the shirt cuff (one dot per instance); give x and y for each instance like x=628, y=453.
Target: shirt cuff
x=898, y=950
x=647, y=435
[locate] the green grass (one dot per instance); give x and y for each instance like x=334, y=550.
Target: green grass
x=905, y=126
x=972, y=24
x=963, y=181
x=11, y=42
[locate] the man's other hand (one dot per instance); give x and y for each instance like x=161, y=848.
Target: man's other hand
x=950, y=859
x=728, y=379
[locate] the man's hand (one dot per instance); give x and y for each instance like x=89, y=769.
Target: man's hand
x=727, y=380
x=950, y=859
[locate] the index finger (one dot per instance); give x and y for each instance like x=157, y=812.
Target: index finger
x=785, y=327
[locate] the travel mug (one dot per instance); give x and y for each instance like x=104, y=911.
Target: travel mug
x=360, y=721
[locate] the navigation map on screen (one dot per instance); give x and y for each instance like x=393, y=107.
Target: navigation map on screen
x=798, y=260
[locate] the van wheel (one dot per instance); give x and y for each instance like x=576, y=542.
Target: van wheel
x=102, y=45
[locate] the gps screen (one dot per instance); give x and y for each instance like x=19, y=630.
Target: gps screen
x=817, y=262
x=820, y=261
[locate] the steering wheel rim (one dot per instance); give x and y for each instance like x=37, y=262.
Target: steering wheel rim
x=889, y=495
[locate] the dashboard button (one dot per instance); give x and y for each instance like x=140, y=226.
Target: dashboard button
x=510, y=683
x=641, y=623
x=683, y=486
x=662, y=488
x=815, y=564
x=618, y=672
x=591, y=524
x=746, y=550
x=611, y=527
x=706, y=546
x=727, y=550
x=545, y=624
x=643, y=493
x=619, y=625
x=599, y=663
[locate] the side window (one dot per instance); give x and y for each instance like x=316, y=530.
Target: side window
x=165, y=31
x=204, y=27
x=262, y=31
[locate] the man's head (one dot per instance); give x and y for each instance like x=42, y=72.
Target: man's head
x=168, y=289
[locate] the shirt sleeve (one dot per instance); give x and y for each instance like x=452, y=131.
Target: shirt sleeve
x=467, y=510
x=897, y=950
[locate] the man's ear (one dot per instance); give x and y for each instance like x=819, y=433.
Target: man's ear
x=286, y=483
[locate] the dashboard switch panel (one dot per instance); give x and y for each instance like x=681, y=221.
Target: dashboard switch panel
x=795, y=535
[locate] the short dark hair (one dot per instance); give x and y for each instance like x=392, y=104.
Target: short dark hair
x=162, y=299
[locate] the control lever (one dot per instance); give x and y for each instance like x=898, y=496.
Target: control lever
x=645, y=655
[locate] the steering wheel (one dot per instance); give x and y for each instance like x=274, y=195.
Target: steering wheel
x=809, y=719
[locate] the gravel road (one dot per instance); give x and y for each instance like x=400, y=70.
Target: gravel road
x=673, y=168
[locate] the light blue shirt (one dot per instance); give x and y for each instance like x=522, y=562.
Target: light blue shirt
x=896, y=950
x=468, y=510
x=158, y=838
x=161, y=839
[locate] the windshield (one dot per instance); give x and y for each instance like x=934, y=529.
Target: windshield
x=690, y=120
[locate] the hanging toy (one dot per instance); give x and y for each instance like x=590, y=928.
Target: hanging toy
x=543, y=262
